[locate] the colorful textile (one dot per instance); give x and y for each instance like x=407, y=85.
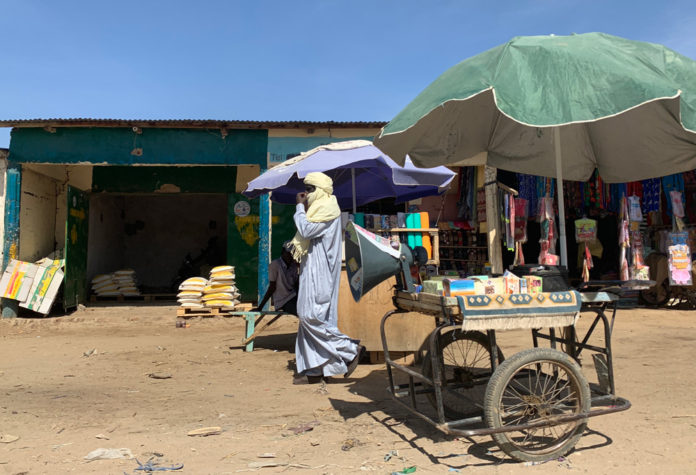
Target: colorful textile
x=672, y=183
x=528, y=191
x=651, y=195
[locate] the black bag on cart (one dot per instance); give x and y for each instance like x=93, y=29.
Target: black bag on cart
x=554, y=278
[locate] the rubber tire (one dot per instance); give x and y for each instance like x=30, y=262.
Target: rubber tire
x=453, y=411
x=496, y=389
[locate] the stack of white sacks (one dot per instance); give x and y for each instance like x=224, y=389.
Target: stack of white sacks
x=219, y=291
x=104, y=286
x=127, y=283
x=121, y=282
x=191, y=291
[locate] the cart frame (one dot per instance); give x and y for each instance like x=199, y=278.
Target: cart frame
x=603, y=397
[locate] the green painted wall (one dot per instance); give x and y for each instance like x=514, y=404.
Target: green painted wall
x=124, y=179
x=283, y=227
x=122, y=146
x=243, y=243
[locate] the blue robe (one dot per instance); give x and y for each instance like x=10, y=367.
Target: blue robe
x=320, y=349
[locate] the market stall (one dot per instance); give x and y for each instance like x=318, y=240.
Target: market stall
x=560, y=107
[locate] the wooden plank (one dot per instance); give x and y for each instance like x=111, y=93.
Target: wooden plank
x=406, y=358
x=361, y=320
x=426, y=298
x=185, y=312
x=432, y=309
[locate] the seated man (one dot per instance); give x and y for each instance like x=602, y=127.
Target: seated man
x=283, y=274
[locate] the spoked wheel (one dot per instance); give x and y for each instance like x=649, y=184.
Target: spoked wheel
x=656, y=295
x=537, y=385
x=465, y=367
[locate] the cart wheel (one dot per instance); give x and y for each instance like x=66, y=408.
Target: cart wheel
x=465, y=368
x=656, y=295
x=532, y=386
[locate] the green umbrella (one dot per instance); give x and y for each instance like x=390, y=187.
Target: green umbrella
x=558, y=106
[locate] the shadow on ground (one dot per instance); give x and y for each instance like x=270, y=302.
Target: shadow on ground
x=423, y=436
x=277, y=342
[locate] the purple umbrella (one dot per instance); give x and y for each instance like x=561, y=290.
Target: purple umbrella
x=361, y=173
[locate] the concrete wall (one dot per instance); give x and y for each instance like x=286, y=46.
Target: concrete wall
x=78, y=176
x=152, y=233
x=37, y=216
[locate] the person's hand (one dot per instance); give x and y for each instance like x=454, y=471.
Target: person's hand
x=301, y=198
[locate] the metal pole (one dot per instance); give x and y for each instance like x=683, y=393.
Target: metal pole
x=559, y=192
x=495, y=254
x=352, y=174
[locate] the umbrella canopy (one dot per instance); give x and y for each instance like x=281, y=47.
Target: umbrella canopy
x=358, y=169
x=627, y=108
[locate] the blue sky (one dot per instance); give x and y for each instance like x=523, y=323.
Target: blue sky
x=276, y=60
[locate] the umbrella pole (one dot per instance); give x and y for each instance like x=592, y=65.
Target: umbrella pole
x=352, y=175
x=559, y=192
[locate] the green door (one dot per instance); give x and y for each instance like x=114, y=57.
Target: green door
x=75, y=287
x=243, y=243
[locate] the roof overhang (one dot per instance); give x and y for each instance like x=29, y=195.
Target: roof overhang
x=188, y=124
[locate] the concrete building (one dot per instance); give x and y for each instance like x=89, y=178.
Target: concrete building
x=151, y=195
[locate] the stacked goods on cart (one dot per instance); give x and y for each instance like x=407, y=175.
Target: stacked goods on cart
x=508, y=283
x=191, y=292
x=122, y=282
x=221, y=291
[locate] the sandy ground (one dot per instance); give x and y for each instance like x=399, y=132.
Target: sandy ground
x=63, y=404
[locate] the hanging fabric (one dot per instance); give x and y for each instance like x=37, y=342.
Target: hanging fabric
x=586, y=232
x=624, y=240
x=520, y=229
x=672, y=183
x=651, y=195
x=547, y=240
x=528, y=191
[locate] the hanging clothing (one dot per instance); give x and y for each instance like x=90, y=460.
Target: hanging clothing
x=672, y=183
x=528, y=191
x=651, y=195
x=320, y=348
x=634, y=211
x=467, y=196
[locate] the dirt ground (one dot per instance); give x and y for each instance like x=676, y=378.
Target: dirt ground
x=76, y=383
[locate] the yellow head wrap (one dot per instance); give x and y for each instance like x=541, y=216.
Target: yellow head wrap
x=323, y=207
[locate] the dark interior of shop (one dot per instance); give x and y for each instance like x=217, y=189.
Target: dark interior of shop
x=164, y=238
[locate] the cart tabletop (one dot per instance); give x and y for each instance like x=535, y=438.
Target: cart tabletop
x=499, y=311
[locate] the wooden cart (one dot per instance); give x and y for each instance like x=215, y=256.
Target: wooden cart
x=536, y=403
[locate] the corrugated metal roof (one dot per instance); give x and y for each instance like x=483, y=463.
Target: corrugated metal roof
x=188, y=123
